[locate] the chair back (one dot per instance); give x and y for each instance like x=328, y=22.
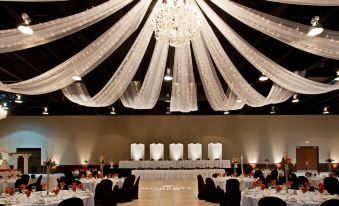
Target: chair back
x=332, y=202
x=25, y=177
x=302, y=180
x=331, y=184
x=212, y=192
x=258, y=174
x=135, y=189
x=201, y=188
x=233, y=193
x=74, y=201
x=271, y=201
x=111, y=197
x=101, y=189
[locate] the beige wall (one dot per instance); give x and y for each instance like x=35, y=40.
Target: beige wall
x=76, y=138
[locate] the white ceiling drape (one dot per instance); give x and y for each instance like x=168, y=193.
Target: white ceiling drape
x=13, y=39
x=84, y=61
x=309, y=2
x=294, y=34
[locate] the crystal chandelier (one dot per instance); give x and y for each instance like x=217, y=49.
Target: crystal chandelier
x=176, y=22
x=3, y=113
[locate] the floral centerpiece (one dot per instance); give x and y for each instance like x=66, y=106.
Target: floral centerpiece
x=50, y=165
x=286, y=160
x=235, y=161
x=329, y=162
x=102, y=162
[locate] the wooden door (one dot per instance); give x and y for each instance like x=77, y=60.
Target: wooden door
x=307, y=158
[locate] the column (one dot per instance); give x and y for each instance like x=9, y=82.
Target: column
x=26, y=156
x=15, y=161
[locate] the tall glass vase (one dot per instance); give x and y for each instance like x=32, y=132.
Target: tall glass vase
x=286, y=177
x=235, y=168
x=47, y=186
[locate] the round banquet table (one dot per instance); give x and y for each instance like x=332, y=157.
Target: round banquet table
x=245, y=182
x=90, y=184
x=252, y=197
x=40, y=198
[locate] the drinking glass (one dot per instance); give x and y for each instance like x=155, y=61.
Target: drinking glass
x=33, y=188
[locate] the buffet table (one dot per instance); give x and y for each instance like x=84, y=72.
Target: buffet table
x=175, y=164
x=175, y=174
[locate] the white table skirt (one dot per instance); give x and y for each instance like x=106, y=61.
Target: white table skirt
x=22, y=200
x=176, y=164
x=175, y=174
x=298, y=200
x=245, y=182
x=91, y=184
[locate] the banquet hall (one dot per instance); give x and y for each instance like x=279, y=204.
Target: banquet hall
x=175, y=100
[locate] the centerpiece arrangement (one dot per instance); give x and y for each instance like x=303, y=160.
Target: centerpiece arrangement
x=50, y=165
x=286, y=160
x=235, y=161
x=329, y=162
x=102, y=163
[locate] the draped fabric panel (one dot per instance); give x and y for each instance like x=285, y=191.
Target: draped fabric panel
x=291, y=33
x=121, y=78
x=309, y=2
x=84, y=61
x=13, y=39
x=184, y=94
x=281, y=76
x=147, y=96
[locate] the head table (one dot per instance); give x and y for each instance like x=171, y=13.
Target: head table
x=292, y=198
x=40, y=198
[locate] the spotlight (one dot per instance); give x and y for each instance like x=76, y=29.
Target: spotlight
x=316, y=27
x=272, y=110
x=263, y=78
x=325, y=111
x=239, y=101
x=45, y=112
x=76, y=78
x=168, y=76
x=168, y=98
x=295, y=98
x=24, y=27
x=168, y=110
x=5, y=107
x=337, y=77
x=18, y=99
x=113, y=111
x=226, y=112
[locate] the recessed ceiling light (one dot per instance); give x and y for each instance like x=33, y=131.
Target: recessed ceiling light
x=76, y=78
x=226, y=112
x=325, y=111
x=263, y=78
x=272, y=110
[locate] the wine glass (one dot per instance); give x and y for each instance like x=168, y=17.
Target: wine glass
x=33, y=188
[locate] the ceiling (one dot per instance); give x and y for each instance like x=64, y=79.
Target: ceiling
x=28, y=63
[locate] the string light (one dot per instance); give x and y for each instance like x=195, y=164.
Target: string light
x=18, y=99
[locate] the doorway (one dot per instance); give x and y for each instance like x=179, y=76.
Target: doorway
x=307, y=158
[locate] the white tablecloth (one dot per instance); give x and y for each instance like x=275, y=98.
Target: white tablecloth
x=251, y=198
x=6, y=183
x=22, y=200
x=176, y=164
x=245, y=182
x=175, y=174
x=91, y=184
x=7, y=173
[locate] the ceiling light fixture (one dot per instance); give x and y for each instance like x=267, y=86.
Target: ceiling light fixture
x=263, y=78
x=76, y=78
x=272, y=110
x=168, y=110
x=24, y=27
x=238, y=100
x=5, y=106
x=113, y=111
x=18, y=99
x=168, y=76
x=3, y=113
x=168, y=98
x=226, y=112
x=325, y=111
x=176, y=22
x=295, y=98
x=337, y=77
x=45, y=112
x=316, y=27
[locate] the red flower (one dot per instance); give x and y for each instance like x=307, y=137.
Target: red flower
x=28, y=193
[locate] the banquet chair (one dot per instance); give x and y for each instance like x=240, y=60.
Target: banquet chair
x=221, y=196
x=25, y=177
x=73, y=201
x=271, y=201
x=19, y=182
x=124, y=194
x=233, y=194
x=111, y=197
x=2, y=205
x=212, y=192
x=68, y=177
x=258, y=174
x=135, y=189
x=331, y=202
x=62, y=179
x=302, y=180
x=37, y=184
x=331, y=184
x=201, y=188
x=101, y=189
